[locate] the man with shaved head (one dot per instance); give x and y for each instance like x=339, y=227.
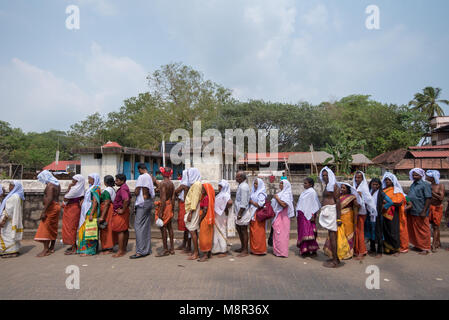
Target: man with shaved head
x=243, y=214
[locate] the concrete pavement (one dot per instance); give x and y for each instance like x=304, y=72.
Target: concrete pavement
x=410, y=276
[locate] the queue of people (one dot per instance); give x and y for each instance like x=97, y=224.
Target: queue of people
x=361, y=218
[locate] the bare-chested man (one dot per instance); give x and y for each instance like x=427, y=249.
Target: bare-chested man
x=164, y=210
x=436, y=206
x=330, y=213
x=142, y=225
x=47, y=231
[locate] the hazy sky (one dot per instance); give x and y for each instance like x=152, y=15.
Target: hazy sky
x=278, y=50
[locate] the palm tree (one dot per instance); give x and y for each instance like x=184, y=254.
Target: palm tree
x=428, y=102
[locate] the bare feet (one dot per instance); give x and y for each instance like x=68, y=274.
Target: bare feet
x=330, y=264
x=181, y=247
x=222, y=255
x=238, y=250
x=193, y=257
x=359, y=257
x=163, y=254
x=378, y=256
x=119, y=254
x=106, y=252
x=424, y=253
x=172, y=251
x=203, y=258
x=396, y=254
x=242, y=254
x=44, y=253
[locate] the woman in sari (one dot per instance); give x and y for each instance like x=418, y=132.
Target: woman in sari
x=222, y=203
x=108, y=237
x=72, y=211
x=349, y=210
x=11, y=212
x=306, y=210
x=90, y=209
x=392, y=216
x=257, y=229
x=282, y=204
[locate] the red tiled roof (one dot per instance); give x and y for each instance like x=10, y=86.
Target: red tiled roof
x=426, y=164
x=111, y=144
x=62, y=165
x=443, y=146
x=390, y=157
x=430, y=154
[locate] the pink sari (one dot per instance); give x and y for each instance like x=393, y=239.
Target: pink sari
x=281, y=234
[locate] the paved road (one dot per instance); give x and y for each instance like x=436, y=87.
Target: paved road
x=409, y=276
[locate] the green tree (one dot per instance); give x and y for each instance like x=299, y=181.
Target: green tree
x=428, y=102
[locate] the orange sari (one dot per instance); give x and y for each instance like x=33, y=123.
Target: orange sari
x=108, y=237
x=206, y=237
x=257, y=237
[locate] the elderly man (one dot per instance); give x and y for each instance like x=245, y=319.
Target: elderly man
x=164, y=210
x=243, y=214
x=47, y=231
x=418, y=224
x=436, y=206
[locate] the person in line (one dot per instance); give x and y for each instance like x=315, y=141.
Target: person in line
x=367, y=208
x=307, y=209
x=222, y=204
x=108, y=237
x=90, y=209
x=330, y=213
x=72, y=212
x=11, y=227
x=282, y=204
x=207, y=221
x=120, y=217
x=192, y=205
x=47, y=231
x=164, y=211
x=142, y=225
x=374, y=224
x=243, y=215
x=349, y=202
x=436, y=206
x=391, y=217
x=257, y=229
x=181, y=192
x=418, y=224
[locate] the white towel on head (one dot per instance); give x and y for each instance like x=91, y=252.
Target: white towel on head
x=77, y=190
x=435, y=174
x=367, y=199
x=46, y=177
x=286, y=196
x=419, y=171
x=332, y=179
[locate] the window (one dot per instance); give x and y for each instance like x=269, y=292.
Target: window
x=98, y=155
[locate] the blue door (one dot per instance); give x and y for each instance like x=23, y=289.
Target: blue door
x=127, y=169
x=136, y=171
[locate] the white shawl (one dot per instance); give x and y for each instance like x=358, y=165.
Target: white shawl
x=286, y=196
x=308, y=203
x=87, y=203
x=367, y=198
x=257, y=196
x=78, y=189
x=222, y=197
x=332, y=180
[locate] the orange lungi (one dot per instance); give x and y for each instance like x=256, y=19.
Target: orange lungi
x=206, y=237
x=70, y=221
x=403, y=229
x=107, y=236
x=48, y=229
x=168, y=211
x=360, y=247
x=435, y=214
x=181, y=213
x=419, y=231
x=120, y=222
x=257, y=237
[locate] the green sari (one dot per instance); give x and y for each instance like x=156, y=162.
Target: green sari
x=89, y=246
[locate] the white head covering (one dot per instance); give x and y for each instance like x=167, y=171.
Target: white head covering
x=308, y=203
x=367, y=198
x=434, y=174
x=193, y=175
x=332, y=180
x=77, y=190
x=46, y=177
x=185, y=182
x=286, y=196
x=396, y=185
x=87, y=201
x=419, y=171
x=259, y=196
x=18, y=189
x=222, y=197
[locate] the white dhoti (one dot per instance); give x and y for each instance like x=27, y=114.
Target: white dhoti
x=328, y=217
x=12, y=232
x=231, y=224
x=245, y=220
x=220, y=230
x=194, y=224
